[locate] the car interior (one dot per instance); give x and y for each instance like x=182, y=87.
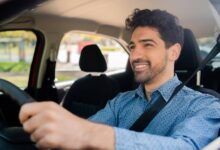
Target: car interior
x=90, y=92
x=80, y=58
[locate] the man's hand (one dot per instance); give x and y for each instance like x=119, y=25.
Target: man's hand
x=51, y=126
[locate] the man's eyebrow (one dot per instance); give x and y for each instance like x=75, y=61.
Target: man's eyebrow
x=147, y=40
x=142, y=41
x=130, y=43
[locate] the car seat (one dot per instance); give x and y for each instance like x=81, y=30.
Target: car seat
x=90, y=93
x=215, y=79
x=190, y=58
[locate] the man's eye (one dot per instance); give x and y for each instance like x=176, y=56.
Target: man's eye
x=130, y=47
x=148, y=45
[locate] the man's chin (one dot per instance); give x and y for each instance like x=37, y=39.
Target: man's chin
x=142, y=79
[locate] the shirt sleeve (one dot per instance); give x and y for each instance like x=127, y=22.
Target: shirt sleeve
x=195, y=132
x=130, y=140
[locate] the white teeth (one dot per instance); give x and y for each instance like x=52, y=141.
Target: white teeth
x=140, y=66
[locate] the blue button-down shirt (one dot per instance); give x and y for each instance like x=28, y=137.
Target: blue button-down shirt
x=190, y=121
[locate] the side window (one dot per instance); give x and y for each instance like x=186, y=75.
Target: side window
x=69, y=53
x=206, y=44
x=16, y=53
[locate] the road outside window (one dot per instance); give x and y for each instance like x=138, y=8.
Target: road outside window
x=16, y=53
x=67, y=67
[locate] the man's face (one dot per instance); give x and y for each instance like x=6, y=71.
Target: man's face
x=148, y=55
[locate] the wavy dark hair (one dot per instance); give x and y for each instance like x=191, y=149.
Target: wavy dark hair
x=166, y=24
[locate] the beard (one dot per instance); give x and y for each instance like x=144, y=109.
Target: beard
x=149, y=73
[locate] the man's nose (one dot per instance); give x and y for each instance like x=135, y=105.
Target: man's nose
x=135, y=53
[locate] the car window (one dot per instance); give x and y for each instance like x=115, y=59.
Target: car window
x=16, y=53
x=206, y=44
x=67, y=67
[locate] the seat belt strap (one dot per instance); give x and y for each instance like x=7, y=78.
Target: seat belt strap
x=142, y=122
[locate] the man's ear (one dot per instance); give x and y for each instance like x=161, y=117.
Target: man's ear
x=175, y=51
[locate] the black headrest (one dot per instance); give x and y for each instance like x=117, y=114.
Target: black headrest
x=190, y=56
x=92, y=60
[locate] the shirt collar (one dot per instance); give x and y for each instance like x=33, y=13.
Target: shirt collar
x=165, y=89
x=140, y=91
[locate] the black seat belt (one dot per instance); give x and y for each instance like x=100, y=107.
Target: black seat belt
x=142, y=122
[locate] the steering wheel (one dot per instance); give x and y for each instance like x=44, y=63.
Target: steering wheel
x=15, y=92
x=15, y=137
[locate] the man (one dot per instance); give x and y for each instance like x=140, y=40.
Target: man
x=189, y=121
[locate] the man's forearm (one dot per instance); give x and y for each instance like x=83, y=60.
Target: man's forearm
x=101, y=137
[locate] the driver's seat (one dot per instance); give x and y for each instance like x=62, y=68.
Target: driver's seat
x=189, y=60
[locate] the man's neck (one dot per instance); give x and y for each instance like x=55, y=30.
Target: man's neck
x=155, y=84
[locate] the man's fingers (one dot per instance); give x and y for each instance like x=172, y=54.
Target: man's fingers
x=30, y=109
x=36, y=121
x=48, y=142
x=45, y=129
x=25, y=112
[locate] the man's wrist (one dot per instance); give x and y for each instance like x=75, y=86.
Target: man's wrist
x=101, y=137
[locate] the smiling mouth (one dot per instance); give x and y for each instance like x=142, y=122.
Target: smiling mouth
x=140, y=66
